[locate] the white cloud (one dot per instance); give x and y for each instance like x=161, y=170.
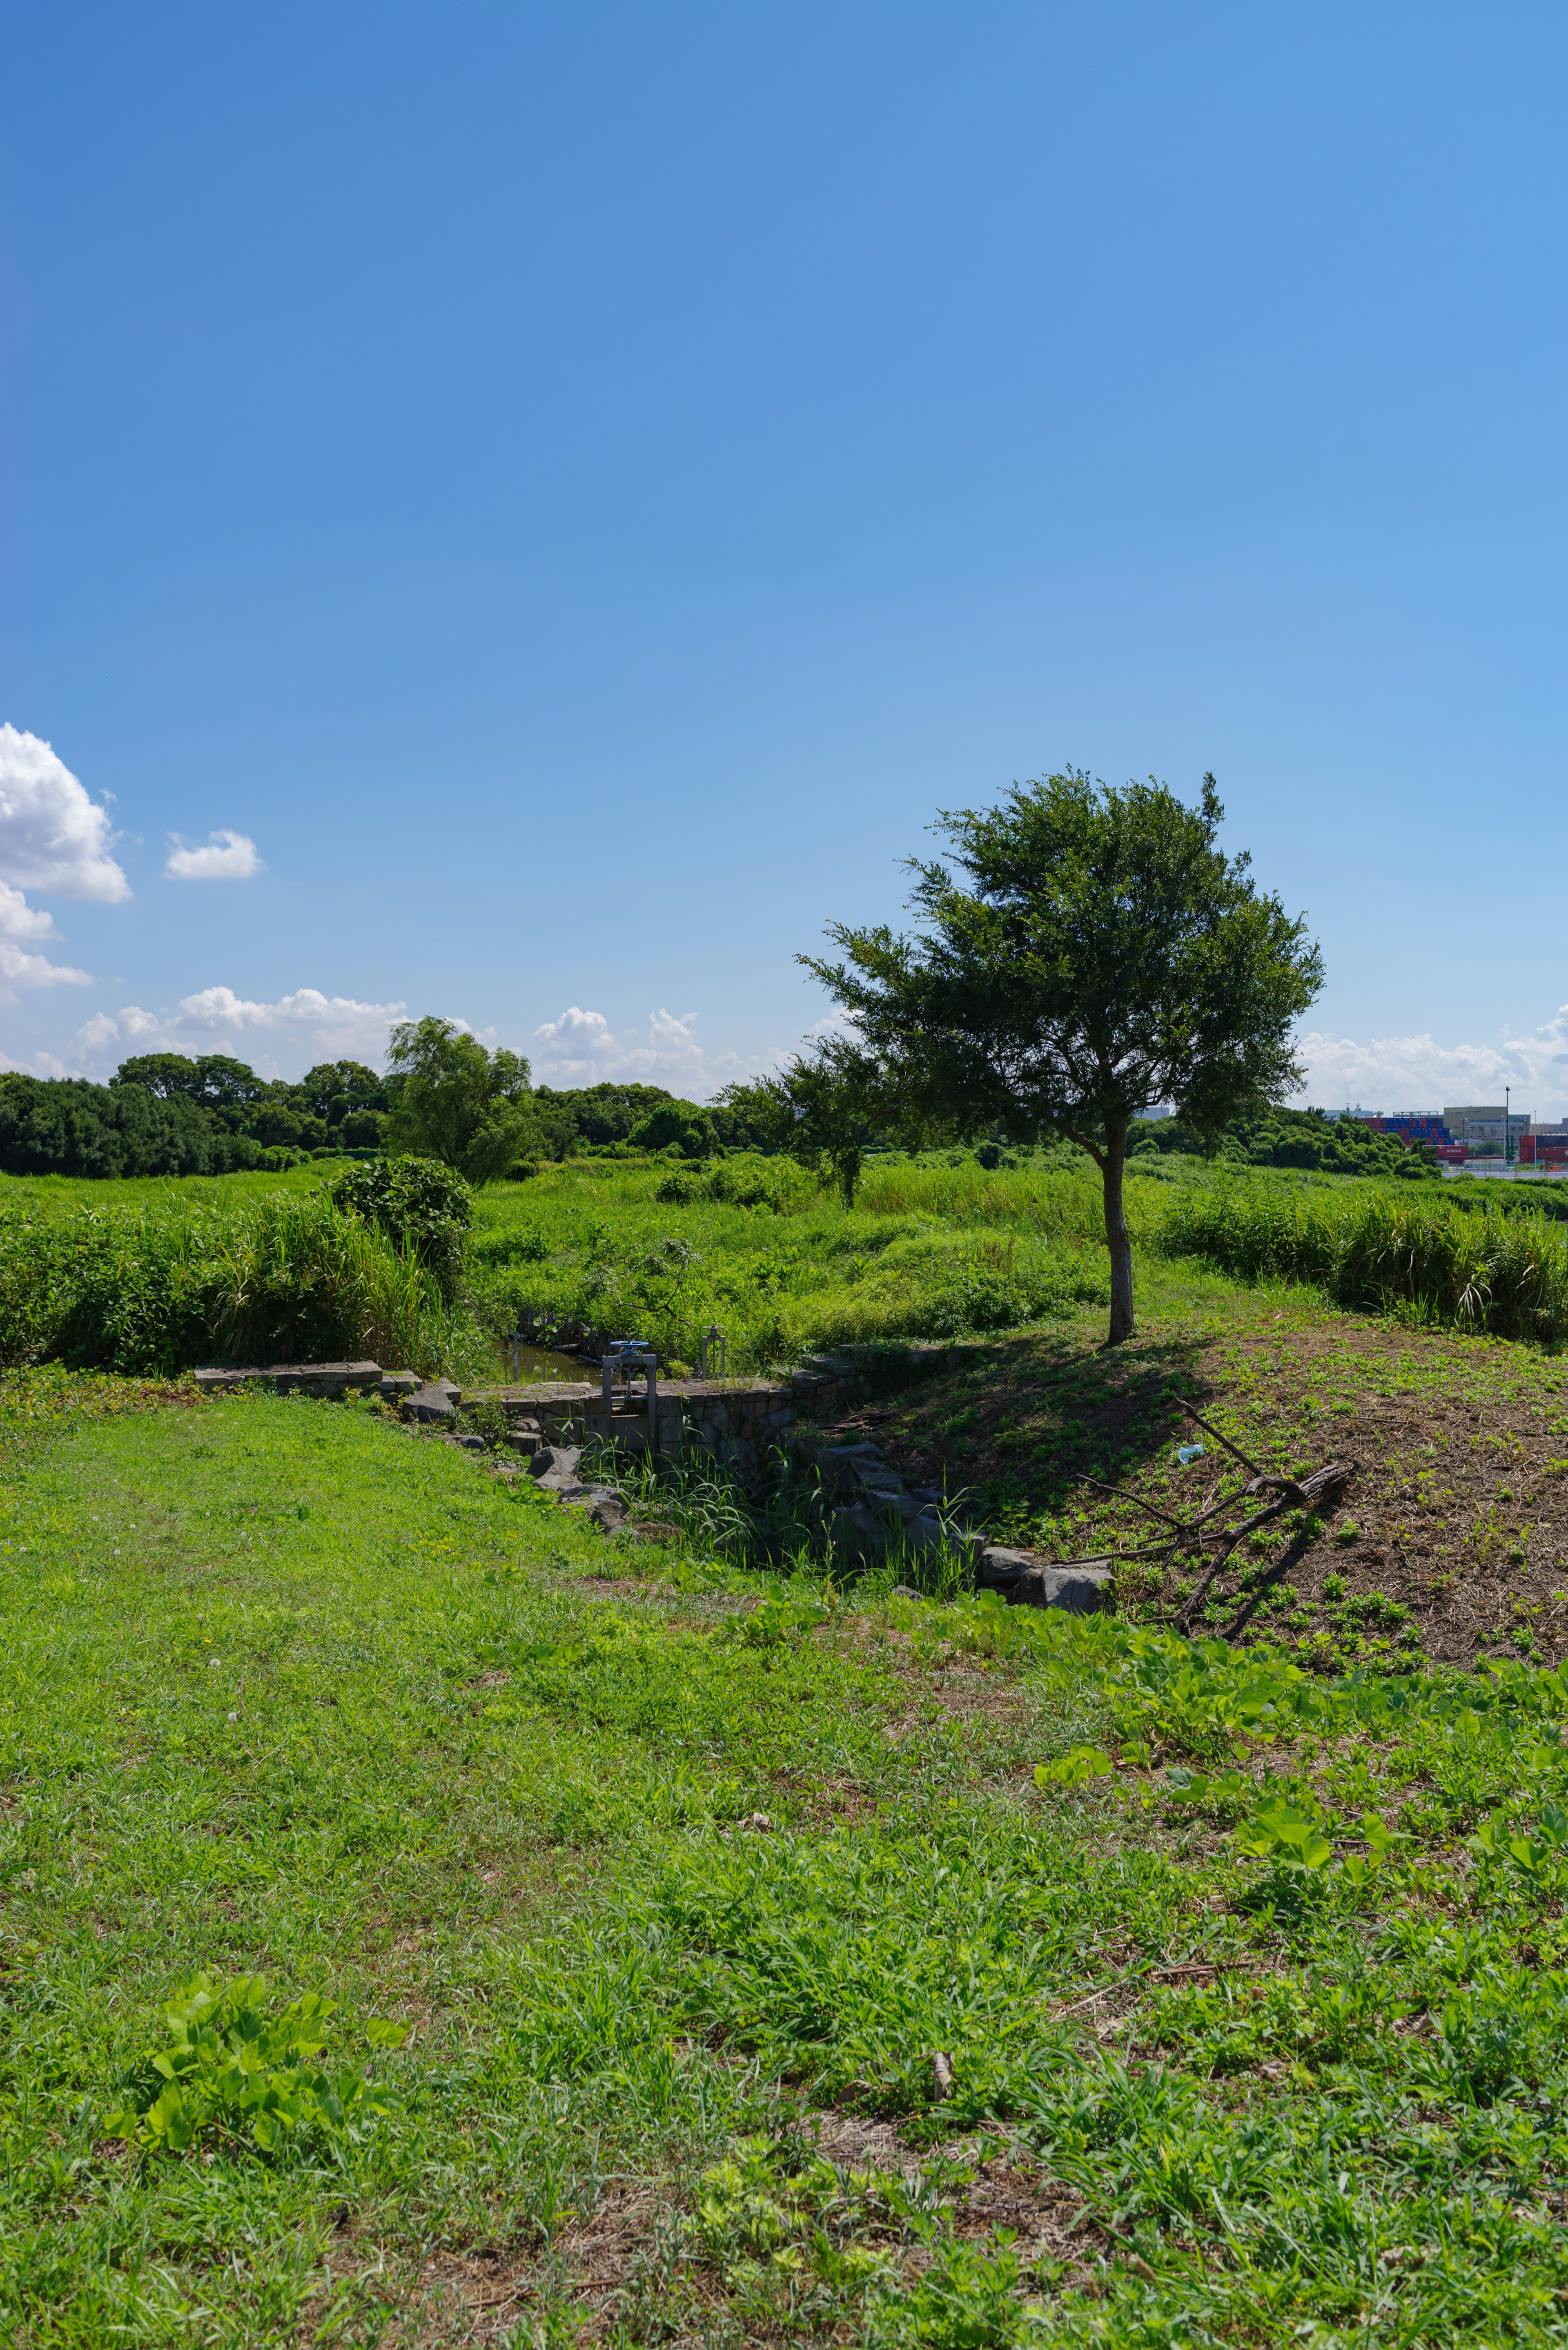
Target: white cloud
x=574, y=1043
x=18, y=969
x=52, y=837
x=225, y=857
x=42, y=1065
x=20, y=921
x=1401, y=1073
x=215, y=1019
x=582, y=1049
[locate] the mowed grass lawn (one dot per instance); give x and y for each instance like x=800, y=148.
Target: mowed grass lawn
x=288, y=1692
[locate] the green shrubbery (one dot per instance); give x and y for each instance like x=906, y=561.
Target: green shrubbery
x=1378, y=1249
x=423, y=1208
x=165, y=1114
x=136, y=1289
x=1292, y=1138
x=67, y=1126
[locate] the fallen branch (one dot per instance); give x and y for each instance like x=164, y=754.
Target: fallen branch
x=1225, y=1441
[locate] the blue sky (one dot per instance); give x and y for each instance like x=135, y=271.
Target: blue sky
x=577, y=490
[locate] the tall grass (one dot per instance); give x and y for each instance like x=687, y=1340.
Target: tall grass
x=1058, y=1202
x=154, y=1289
x=1382, y=1250
x=783, y=1519
x=929, y=1251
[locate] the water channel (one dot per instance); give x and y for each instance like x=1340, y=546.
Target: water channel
x=544, y=1366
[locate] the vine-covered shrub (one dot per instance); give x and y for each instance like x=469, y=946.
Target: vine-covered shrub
x=423, y=1208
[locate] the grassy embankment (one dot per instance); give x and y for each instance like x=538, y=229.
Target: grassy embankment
x=1257, y=2036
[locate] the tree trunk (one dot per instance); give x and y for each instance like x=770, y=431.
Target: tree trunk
x=1119, y=1240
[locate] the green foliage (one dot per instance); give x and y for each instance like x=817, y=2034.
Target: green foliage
x=619, y=1116
x=747, y=1179
x=1383, y=1250
x=232, y=2072
x=343, y=1093
x=451, y=1099
x=1072, y=1769
x=423, y=1208
x=780, y=1267
x=826, y=1110
x=66, y=1127
x=215, y=1079
x=287, y=1279
x=675, y=1125
x=1290, y=1137
x=1098, y=956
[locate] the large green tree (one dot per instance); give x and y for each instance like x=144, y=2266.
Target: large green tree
x=1089, y=952
x=451, y=1099
x=215, y=1079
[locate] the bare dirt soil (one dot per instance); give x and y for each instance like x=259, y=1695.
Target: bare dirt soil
x=1452, y=1542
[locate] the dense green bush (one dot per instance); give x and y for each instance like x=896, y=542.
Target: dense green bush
x=63, y=1126
x=1379, y=1249
x=424, y=1209
x=1292, y=1138
x=746, y=1180
x=168, y=1114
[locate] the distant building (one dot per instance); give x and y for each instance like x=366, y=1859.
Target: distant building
x=1480, y=1127
x=1546, y=1144
x=1468, y=1130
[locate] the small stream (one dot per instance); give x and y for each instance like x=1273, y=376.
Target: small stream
x=539, y=1366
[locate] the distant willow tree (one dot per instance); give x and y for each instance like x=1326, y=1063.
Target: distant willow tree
x=1092, y=954
x=452, y=1100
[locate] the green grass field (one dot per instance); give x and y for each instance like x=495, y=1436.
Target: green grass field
x=645, y=1891
x=1251, y=2014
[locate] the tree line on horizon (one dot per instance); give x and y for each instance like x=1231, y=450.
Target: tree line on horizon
x=210, y=1114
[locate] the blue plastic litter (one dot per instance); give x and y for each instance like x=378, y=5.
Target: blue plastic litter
x=1186, y=1452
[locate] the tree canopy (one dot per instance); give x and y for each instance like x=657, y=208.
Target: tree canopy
x=826, y=1107
x=453, y=1099
x=1090, y=952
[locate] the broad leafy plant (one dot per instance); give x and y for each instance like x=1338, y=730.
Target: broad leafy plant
x=233, y=2072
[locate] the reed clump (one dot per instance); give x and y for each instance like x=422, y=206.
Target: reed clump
x=1383, y=1251
x=158, y=1289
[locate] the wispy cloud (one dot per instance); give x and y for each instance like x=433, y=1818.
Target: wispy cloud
x=52, y=837
x=19, y=968
x=222, y=856
x=581, y=1048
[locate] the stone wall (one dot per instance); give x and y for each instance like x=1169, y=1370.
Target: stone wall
x=736, y=1421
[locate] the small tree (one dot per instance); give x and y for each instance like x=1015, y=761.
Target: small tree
x=1104, y=956
x=825, y=1110
x=452, y=1100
